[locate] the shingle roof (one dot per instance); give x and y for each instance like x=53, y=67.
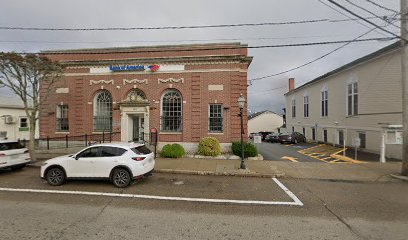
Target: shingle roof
x=11, y=102
x=254, y=115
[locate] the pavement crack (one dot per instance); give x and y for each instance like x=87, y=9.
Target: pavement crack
x=338, y=217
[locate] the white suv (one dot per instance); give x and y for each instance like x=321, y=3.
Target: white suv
x=118, y=162
x=13, y=155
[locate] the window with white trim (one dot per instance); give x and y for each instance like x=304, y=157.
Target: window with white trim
x=23, y=122
x=352, y=99
x=306, y=106
x=324, y=103
x=215, y=118
x=293, y=108
x=102, y=120
x=62, y=118
x=171, y=111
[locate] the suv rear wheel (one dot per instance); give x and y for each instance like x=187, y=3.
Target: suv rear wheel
x=121, y=177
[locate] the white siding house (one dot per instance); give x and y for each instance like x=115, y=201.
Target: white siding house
x=362, y=99
x=14, y=123
x=266, y=121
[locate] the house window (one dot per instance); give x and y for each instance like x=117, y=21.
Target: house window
x=293, y=108
x=325, y=135
x=103, y=111
x=352, y=99
x=324, y=105
x=362, y=137
x=23, y=122
x=215, y=118
x=171, y=111
x=293, y=129
x=304, y=132
x=305, y=106
x=62, y=118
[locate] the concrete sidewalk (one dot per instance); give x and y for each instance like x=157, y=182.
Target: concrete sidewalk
x=260, y=168
x=300, y=170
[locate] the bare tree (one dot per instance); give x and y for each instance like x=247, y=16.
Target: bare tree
x=29, y=76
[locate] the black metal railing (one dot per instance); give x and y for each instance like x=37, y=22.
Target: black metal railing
x=68, y=141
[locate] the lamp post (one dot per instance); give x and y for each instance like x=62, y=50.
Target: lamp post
x=241, y=104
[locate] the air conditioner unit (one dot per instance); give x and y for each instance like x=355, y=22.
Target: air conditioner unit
x=9, y=119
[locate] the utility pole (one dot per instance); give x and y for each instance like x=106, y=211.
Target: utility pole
x=404, y=68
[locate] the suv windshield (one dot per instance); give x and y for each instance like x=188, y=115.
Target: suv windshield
x=10, y=146
x=141, y=150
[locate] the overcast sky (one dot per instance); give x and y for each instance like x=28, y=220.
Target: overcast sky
x=267, y=61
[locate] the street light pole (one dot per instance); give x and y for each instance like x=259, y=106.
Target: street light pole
x=404, y=66
x=241, y=104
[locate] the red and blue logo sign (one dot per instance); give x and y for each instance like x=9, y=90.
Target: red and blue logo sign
x=120, y=68
x=154, y=67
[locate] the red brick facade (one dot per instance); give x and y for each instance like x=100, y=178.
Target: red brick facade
x=217, y=65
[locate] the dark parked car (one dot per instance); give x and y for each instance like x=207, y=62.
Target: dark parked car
x=264, y=134
x=294, y=137
x=273, y=137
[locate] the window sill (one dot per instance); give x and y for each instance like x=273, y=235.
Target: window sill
x=60, y=132
x=170, y=133
x=216, y=133
x=352, y=116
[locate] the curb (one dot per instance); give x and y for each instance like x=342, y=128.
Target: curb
x=400, y=177
x=237, y=174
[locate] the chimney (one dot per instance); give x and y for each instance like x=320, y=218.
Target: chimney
x=291, y=84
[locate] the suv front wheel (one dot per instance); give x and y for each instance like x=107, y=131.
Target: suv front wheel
x=55, y=176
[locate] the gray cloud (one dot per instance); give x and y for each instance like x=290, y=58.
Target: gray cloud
x=99, y=13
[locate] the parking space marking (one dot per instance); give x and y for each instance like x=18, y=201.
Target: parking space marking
x=296, y=201
x=293, y=159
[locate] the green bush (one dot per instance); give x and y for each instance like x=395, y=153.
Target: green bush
x=172, y=151
x=249, y=149
x=209, y=146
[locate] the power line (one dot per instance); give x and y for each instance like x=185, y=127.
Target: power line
x=383, y=7
x=375, y=15
x=336, y=10
x=310, y=62
x=176, y=27
x=356, y=15
x=269, y=90
x=95, y=51
x=166, y=41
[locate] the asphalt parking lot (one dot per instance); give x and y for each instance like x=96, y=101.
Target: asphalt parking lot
x=284, y=152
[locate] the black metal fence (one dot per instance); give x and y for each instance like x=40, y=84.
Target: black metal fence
x=74, y=141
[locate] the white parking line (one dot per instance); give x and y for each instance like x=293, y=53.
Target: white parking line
x=296, y=201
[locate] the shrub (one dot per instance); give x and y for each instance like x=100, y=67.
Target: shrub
x=249, y=149
x=172, y=151
x=209, y=146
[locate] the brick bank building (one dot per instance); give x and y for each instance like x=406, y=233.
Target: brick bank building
x=187, y=92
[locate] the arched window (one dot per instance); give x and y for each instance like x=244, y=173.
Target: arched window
x=103, y=111
x=171, y=111
x=136, y=95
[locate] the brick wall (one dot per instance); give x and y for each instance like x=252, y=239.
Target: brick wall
x=227, y=67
